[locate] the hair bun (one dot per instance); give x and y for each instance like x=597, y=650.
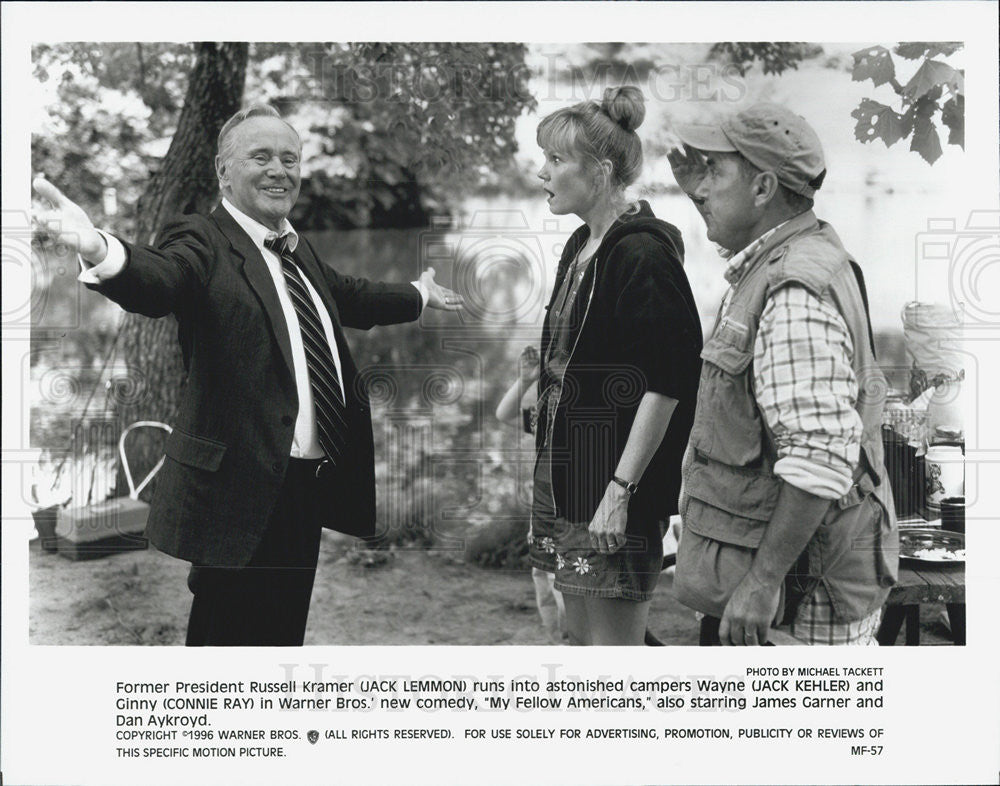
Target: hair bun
x=625, y=105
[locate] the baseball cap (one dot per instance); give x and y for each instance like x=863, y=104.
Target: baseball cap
x=769, y=136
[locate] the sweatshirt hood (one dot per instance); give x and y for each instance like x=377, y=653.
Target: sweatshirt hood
x=641, y=220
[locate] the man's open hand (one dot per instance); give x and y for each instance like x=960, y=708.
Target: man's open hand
x=67, y=223
x=688, y=166
x=439, y=296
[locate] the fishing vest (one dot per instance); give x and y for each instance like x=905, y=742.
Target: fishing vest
x=730, y=489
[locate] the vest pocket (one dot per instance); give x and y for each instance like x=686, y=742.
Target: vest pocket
x=728, y=425
x=852, y=553
x=728, y=504
x=710, y=521
x=888, y=535
x=729, y=347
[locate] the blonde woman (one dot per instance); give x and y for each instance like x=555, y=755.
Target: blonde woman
x=618, y=374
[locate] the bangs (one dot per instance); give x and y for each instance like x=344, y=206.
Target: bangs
x=559, y=132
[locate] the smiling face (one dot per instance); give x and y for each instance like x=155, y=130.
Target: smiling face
x=259, y=169
x=571, y=186
x=730, y=209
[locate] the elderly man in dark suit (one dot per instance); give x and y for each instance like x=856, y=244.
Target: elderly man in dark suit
x=273, y=438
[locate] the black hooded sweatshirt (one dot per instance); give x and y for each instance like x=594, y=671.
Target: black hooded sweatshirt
x=634, y=328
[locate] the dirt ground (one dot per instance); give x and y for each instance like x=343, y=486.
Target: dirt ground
x=412, y=597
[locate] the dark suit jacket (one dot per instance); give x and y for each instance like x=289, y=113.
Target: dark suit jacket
x=229, y=450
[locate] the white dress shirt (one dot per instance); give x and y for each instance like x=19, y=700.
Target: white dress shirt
x=305, y=443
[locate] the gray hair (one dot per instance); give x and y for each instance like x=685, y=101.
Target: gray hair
x=224, y=147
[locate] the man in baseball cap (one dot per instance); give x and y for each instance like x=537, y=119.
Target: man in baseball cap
x=772, y=138
x=766, y=139
x=786, y=510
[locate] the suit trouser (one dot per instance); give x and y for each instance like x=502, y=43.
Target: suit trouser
x=265, y=603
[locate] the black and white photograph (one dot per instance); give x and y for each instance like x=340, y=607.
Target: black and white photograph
x=443, y=165
x=410, y=370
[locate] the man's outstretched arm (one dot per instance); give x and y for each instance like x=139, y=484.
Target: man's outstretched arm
x=148, y=281
x=68, y=224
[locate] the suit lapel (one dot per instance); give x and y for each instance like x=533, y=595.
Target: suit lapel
x=251, y=262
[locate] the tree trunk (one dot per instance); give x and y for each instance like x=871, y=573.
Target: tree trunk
x=185, y=183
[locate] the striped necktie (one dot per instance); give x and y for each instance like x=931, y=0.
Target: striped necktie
x=331, y=414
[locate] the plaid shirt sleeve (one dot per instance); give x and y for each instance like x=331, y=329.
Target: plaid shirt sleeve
x=806, y=390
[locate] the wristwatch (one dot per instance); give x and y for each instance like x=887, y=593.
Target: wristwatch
x=628, y=485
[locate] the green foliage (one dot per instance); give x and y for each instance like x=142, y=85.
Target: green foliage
x=404, y=129
x=775, y=57
x=878, y=120
x=391, y=132
x=914, y=50
x=105, y=107
x=953, y=116
x=875, y=64
x=920, y=99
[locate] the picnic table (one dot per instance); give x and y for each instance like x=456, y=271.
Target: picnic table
x=921, y=583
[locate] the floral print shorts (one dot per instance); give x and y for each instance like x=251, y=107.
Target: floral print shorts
x=563, y=548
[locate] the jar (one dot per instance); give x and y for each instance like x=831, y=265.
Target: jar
x=944, y=474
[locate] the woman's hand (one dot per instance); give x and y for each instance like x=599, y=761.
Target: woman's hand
x=607, y=530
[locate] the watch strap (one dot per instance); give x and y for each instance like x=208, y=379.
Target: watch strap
x=628, y=485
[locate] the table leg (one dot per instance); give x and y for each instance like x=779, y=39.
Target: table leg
x=892, y=621
x=956, y=619
x=912, y=625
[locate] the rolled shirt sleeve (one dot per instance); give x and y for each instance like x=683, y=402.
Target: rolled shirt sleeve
x=109, y=267
x=807, y=390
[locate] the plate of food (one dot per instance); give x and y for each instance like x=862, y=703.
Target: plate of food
x=935, y=546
